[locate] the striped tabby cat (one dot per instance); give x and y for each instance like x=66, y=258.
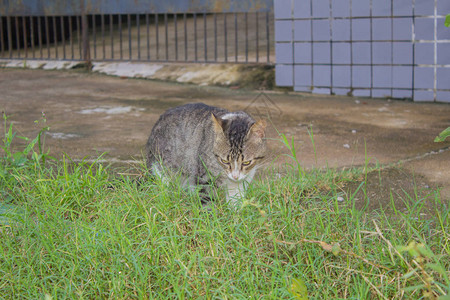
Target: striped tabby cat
x=209, y=146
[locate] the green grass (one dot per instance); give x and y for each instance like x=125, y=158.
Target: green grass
x=80, y=230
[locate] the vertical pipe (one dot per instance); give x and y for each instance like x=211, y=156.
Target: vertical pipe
x=129, y=36
x=176, y=36
x=166, y=32
x=102, y=17
x=157, y=37
x=16, y=19
x=94, y=36
x=63, y=38
x=185, y=38
x=215, y=37
x=138, y=25
x=205, y=37
x=148, y=35
x=25, y=42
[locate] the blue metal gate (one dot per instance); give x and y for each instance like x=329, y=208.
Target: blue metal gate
x=212, y=31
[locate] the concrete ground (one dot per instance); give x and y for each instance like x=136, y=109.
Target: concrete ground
x=89, y=114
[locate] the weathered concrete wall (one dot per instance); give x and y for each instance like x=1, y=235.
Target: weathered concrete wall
x=377, y=48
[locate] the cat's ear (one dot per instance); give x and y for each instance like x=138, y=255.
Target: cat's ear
x=217, y=123
x=258, y=129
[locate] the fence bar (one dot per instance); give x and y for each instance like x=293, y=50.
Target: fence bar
x=148, y=35
x=205, y=35
x=32, y=37
x=235, y=37
x=257, y=37
x=176, y=35
x=166, y=36
x=8, y=28
x=195, y=36
x=55, y=37
x=25, y=42
x=47, y=36
x=79, y=37
x=138, y=25
x=70, y=41
x=129, y=36
x=102, y=18
x=157, y=36
x=16, y=20
x=215, y=37
x=85, y=36
x=225, y=36
x=2, y=44
x=185, y=38
x=2, y=38
x=246, y=37
x=111, y=25
x=94, y=35
x=63, y=38
x=120, y=36
x=267, y=37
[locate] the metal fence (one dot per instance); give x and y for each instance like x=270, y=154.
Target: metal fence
x=376, y=48
x=140, y=31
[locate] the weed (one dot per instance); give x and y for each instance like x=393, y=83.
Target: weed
x=80, y=230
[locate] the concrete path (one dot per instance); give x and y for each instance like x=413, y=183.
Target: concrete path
x=89, y=114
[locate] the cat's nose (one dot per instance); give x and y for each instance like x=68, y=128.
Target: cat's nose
x=235, y=175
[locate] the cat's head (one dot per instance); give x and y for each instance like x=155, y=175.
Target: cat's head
x=239, y=144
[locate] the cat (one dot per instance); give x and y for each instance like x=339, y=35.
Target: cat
x=209, y=146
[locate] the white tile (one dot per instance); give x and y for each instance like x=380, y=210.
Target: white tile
x=283, y=75
x=282, y=9
x=302, y=75
x=283, y=53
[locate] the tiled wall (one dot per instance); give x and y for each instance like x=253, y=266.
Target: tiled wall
x=376, y=48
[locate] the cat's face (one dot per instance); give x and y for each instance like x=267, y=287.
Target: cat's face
x=239, y=147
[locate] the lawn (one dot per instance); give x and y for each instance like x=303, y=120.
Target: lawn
x=87, y=230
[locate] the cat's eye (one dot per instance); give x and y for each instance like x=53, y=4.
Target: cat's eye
x=225, y=162
x=246, y=163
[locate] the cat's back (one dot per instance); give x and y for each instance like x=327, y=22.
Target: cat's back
x=186, y=118
x=181, y=128
x=192, y=112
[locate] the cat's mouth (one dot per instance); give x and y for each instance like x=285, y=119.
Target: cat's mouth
x=236, y=178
